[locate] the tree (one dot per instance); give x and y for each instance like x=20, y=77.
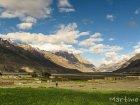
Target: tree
x=0, y=74
x=34, y=74
x=46, y=75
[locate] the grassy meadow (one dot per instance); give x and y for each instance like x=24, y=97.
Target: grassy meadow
x=56, y=96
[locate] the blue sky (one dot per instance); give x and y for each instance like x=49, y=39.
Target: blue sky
x=110, y=26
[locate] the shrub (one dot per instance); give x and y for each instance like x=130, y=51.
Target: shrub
x=46, y=75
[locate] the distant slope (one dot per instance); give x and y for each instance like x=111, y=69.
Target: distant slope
x=131, y=66
x=14, y=58
x=69, y=60
x=110, y=67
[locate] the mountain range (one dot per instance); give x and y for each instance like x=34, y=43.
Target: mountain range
x=131, y=66
x=20, y=57
x=110, y=67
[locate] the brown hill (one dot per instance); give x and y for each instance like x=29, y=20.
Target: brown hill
x=14, y=58
x=69, y=60
x=131, y=66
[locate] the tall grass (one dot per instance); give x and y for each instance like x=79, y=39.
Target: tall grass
x=53, y=96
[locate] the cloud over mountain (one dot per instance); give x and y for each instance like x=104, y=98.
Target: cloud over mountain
x=65, y=6
x=62, y=39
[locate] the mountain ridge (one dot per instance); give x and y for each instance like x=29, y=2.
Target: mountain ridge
x=16, y=59
x=30, y=59
x=131, y=66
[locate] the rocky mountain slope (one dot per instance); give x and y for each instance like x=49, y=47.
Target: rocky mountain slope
x=110, y=67
x=20, y=57
x=131, y=66
x=69, y=60
x=14, y=58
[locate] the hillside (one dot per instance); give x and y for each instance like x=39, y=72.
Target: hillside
x=77, y=61
x=131, y=66
x=69, y=60
x=14, y=58
x=111, y=66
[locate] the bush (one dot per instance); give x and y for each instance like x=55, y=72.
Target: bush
x=0, y=74
x=34, y=74
x=46, y=75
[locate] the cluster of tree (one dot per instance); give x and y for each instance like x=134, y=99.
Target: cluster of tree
x=43, y=74
x=46, y=75
x=0, y=74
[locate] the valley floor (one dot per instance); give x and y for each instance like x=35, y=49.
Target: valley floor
x=115, y=85
x=32, y=91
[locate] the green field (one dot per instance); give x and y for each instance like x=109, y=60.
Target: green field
x=53, y=96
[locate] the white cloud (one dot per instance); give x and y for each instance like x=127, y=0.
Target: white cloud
x=101, y=49
x=28, y=11
x=93, y=45
x=25, y=26
x=23, y=8
x=28, y=22
x=8, y=14
x=91, y=40
x=65, y=35
x=110, y=17
x=41, y=41
x=137, y=48
x=111, y=39
x=110, y=54
x=29, y=19
x=113, y=58
x=26, y=37
x=67, y=9
x=65, y=6
x=56, y=47
x=97, y=49
x=84, y=33
x=137, y=11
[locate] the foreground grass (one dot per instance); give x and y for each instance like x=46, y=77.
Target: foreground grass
x=52, y=96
